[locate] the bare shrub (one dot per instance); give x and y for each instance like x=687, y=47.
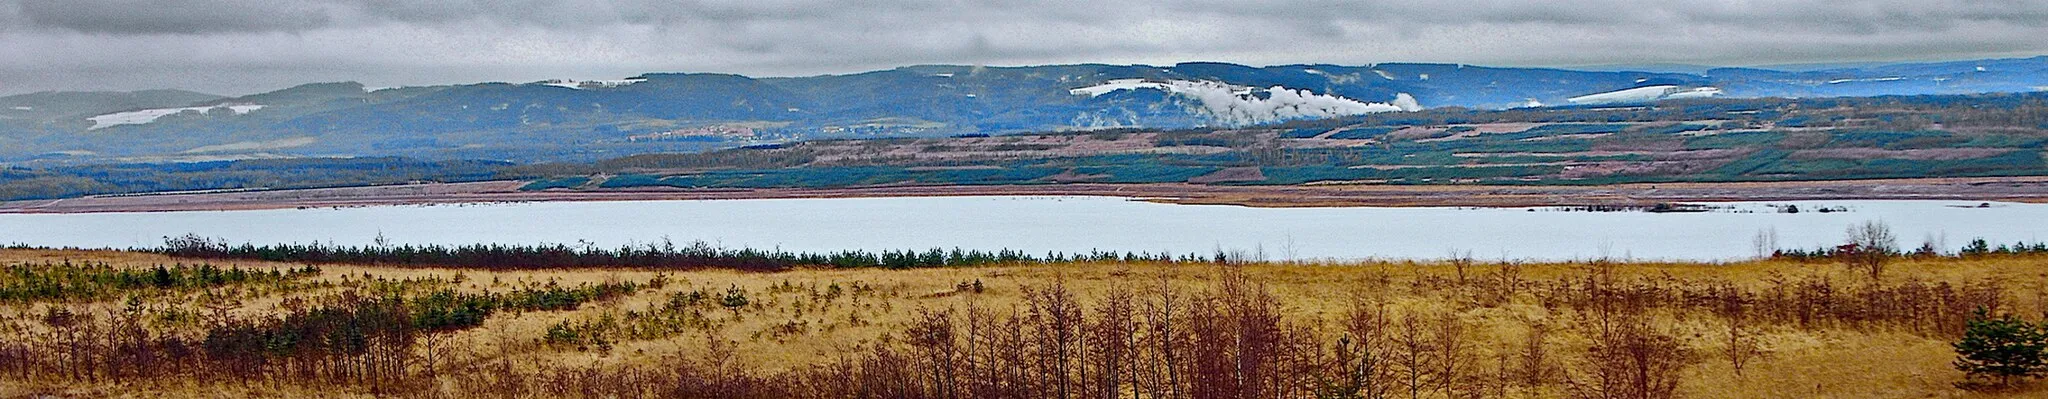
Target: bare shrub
x=1361, y=364
x=1869, y=246
x=1631, y=357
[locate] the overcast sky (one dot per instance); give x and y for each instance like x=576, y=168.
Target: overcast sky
x=246, y=46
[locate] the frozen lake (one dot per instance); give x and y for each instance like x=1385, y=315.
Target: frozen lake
x=1067, y=224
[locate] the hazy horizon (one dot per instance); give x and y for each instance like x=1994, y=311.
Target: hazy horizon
x=1642, y=67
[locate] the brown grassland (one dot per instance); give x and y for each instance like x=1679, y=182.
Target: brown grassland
x=1442, y=329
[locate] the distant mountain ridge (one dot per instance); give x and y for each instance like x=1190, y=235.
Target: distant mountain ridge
x=660, y=112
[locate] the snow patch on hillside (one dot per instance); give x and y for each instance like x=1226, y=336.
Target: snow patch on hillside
x=1344, y=79
x=1245, y=105
x=151, y=115
x=591, y=84
x=1885, y=79
x=1115, y=85
x=1646, y=94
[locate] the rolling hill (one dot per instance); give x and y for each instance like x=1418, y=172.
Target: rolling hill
x=686, y=112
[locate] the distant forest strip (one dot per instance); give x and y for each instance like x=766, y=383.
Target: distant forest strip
x=664, y=255
x=18, y=183
x=700, y=255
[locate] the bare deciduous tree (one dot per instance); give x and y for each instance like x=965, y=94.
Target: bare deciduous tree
x=1870, y=245
x=1765, y=243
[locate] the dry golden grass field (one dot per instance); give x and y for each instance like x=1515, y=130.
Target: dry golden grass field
x=1463, y=329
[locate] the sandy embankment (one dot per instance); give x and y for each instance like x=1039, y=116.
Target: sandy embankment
x=2020, y=189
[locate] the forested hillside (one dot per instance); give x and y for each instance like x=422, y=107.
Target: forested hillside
x=583, y=121
x=1680, y=140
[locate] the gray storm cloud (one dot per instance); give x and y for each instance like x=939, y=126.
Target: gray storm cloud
x=242, y=46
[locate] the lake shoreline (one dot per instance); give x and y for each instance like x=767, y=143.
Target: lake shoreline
x=2026, y=189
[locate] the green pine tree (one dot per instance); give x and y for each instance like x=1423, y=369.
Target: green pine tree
x=2003, y=348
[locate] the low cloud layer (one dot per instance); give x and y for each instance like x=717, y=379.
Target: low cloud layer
x=123, y=17
x=243, y=46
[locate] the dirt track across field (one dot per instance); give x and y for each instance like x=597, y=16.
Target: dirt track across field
x=2017, y=189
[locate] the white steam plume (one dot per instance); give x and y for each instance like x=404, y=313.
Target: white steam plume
x=1241, y=105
